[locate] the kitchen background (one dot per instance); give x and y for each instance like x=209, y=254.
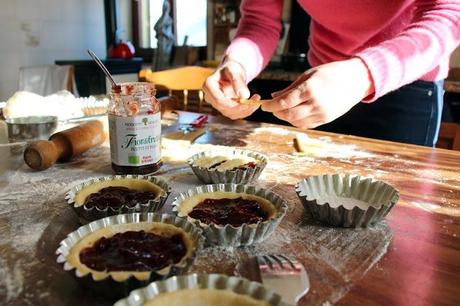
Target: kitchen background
x=41, y=32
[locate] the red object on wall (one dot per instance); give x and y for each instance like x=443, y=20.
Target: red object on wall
x=123, y=50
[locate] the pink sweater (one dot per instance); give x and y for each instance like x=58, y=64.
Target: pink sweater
x=400, y=41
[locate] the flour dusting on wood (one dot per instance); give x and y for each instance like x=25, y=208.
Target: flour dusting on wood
x=33, y=210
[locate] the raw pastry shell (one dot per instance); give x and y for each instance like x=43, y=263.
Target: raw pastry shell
x=238, y=176
x=198, y=282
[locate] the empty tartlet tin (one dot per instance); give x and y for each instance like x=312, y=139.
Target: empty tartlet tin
x=119, y=288
x=202, y=281
x=346, y=200
x=31, y=128
x=86, y=214
x=228, y=235
x=238, y=176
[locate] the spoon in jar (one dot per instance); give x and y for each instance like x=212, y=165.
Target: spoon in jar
x=104, y=69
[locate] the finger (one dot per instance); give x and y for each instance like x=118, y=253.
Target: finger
x=218, y=94
x=209, y=99
x=235, y=111
x=296, y=83
x=290, y=99
x=237, y=81
x=240, y=87
x=290, y=87
x=296, y=113
x=212, y=89
x=247, y=111
x=241, y=111
x=229, y=92
x=226, y=74
x=310, y=122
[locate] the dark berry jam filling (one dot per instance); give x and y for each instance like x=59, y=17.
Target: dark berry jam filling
x=229, y=211
x=115, y=197
x=216, y=165
x=244, y=167
x=134, y=251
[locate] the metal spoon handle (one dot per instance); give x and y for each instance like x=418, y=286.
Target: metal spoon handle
x=102, y=66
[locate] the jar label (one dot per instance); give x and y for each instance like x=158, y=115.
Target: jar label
x=135, y=141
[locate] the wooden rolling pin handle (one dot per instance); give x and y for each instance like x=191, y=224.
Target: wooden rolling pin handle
x=42, y=154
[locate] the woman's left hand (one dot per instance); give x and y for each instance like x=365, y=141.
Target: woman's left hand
x=322, y=94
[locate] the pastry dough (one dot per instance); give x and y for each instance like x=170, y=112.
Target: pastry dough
x=204, y=297
x=136, y=184
x=251, y=102
x=305, y=144
x=229, y=162
x=168, y=230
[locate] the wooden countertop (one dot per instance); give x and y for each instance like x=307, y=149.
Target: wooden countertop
x=412, y=258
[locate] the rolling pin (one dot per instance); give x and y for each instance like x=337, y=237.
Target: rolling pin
x=63, y=146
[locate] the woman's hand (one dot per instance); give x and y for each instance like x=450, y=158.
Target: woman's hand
x=225, y=87
x=322, y=94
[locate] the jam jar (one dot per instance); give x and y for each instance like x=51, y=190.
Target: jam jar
x=135, y=129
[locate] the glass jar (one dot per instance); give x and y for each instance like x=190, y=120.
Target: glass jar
x=135, y=129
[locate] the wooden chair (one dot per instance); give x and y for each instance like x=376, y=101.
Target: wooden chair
x=187, y=81
x=449, y=136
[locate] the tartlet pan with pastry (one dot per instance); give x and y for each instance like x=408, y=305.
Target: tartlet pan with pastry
x=232, y=214
x=117, y=254
x=117, y=194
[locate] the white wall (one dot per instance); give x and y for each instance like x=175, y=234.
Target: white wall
x=38, y=32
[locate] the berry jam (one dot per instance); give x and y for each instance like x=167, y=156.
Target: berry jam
x=229, y=211
x=115, y=197
x=216, y=165
x=134, y=251
x=243, y=167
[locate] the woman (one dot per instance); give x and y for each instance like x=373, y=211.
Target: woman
x=361, y=51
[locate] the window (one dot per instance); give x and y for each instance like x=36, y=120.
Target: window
x=190, y=20
x=155, y=11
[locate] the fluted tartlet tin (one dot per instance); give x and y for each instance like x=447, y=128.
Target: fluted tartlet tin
x=346, y=200
x=117, y=287
x=88, y=214
x=238, y=176
x=202, y=281
x=229, y=235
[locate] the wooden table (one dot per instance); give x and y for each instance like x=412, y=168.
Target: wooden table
x=413, y=258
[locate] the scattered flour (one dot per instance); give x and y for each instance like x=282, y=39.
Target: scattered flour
x=317, y=147
x=12, y=282
x=333, y=257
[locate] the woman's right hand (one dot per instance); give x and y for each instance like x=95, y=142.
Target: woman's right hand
x=225, y=87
